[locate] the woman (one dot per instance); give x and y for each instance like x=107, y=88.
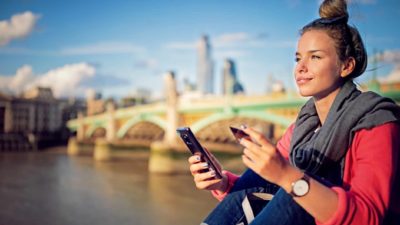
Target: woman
x=338, y=163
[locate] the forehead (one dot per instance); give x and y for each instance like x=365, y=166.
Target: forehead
x=315, y=40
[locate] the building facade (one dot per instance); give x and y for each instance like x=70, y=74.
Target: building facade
x=34, y=120
x=230, y=82
x=205, y=70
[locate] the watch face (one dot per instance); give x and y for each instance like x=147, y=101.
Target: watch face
x=300, y=187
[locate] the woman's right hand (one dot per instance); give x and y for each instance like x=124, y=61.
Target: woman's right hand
x=204, y=176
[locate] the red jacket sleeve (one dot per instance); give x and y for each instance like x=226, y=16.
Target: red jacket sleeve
x=232, y=178
x=370, y=169
x=283, y=145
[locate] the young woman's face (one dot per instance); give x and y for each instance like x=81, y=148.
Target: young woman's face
x=318, y=67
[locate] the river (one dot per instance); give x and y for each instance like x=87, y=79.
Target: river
x=50, y=187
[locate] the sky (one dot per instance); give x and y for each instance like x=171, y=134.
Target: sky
x=118, y=47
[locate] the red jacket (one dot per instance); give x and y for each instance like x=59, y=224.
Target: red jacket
x=371, y=182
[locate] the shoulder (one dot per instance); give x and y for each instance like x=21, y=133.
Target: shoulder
x=379, y=139
x=386, y=130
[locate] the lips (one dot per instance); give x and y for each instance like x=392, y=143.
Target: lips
x=303, y=80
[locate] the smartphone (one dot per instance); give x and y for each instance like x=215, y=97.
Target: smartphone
x=194, y=146
x=239, y=134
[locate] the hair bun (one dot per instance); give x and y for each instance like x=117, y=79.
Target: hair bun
x=333, y=8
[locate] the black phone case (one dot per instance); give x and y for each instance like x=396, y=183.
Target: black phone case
x=194, y=146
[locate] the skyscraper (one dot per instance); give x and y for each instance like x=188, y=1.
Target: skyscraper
x=205, y=76
x=230, y=83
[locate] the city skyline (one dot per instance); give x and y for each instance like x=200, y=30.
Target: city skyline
x=116, y=48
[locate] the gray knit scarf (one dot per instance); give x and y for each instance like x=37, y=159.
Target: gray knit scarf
x=322, y=152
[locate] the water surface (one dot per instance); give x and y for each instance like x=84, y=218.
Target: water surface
x=53, y=188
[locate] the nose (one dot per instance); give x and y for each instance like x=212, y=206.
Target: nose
x=301, y=66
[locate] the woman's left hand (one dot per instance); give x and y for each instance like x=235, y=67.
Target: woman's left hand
x=263, y=158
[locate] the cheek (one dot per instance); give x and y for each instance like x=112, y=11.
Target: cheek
x=331, y=72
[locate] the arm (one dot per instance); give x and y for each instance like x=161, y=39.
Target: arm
x=370, y=180
x=370, y=169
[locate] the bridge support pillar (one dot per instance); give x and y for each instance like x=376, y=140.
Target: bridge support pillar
x=102, y=150
x=111, y=125
x=75, y=147
x=166, y=159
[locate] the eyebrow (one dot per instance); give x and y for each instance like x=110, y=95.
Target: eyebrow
x=311, y=51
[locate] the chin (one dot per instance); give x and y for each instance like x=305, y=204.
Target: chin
x=305, y=93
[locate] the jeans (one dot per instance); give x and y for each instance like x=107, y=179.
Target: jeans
x=282, y=209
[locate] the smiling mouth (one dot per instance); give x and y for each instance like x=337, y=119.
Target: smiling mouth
x=303, y=80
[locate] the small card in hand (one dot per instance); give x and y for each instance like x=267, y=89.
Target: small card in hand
x=239, y=134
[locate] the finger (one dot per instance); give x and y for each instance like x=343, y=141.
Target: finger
x=249, y=144
x=257, y=136
x=194, y=158
x=198, y=167
x=252, y=155
x=248, y=162
x=200, y=177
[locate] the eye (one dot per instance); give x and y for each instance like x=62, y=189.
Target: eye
x=315, y=57
x=297, y=59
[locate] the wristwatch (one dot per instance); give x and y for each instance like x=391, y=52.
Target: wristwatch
x=300, y=187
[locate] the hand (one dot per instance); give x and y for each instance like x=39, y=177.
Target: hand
x=204, y=176
x=263, y=157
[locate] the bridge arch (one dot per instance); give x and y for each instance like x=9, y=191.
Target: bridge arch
x=138, y=119
x=90, y=131
x=276, y=119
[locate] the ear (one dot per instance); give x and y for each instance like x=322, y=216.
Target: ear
x=348, y=67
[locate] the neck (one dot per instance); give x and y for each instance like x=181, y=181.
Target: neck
x=323, y=105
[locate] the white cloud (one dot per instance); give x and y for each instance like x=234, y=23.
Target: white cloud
x=393, y=76
x=392, y=57
x=18, y=82
x=19, y=26
x=103, y=48
x=23, y=76
x=67, y=80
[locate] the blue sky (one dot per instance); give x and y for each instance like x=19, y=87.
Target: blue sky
x=116, y=47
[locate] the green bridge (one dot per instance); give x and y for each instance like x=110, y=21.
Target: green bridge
x=153, y=126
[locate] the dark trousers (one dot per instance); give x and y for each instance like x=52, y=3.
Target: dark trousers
x=281, y=210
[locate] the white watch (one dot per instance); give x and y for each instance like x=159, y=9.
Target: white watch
x=300, y=187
